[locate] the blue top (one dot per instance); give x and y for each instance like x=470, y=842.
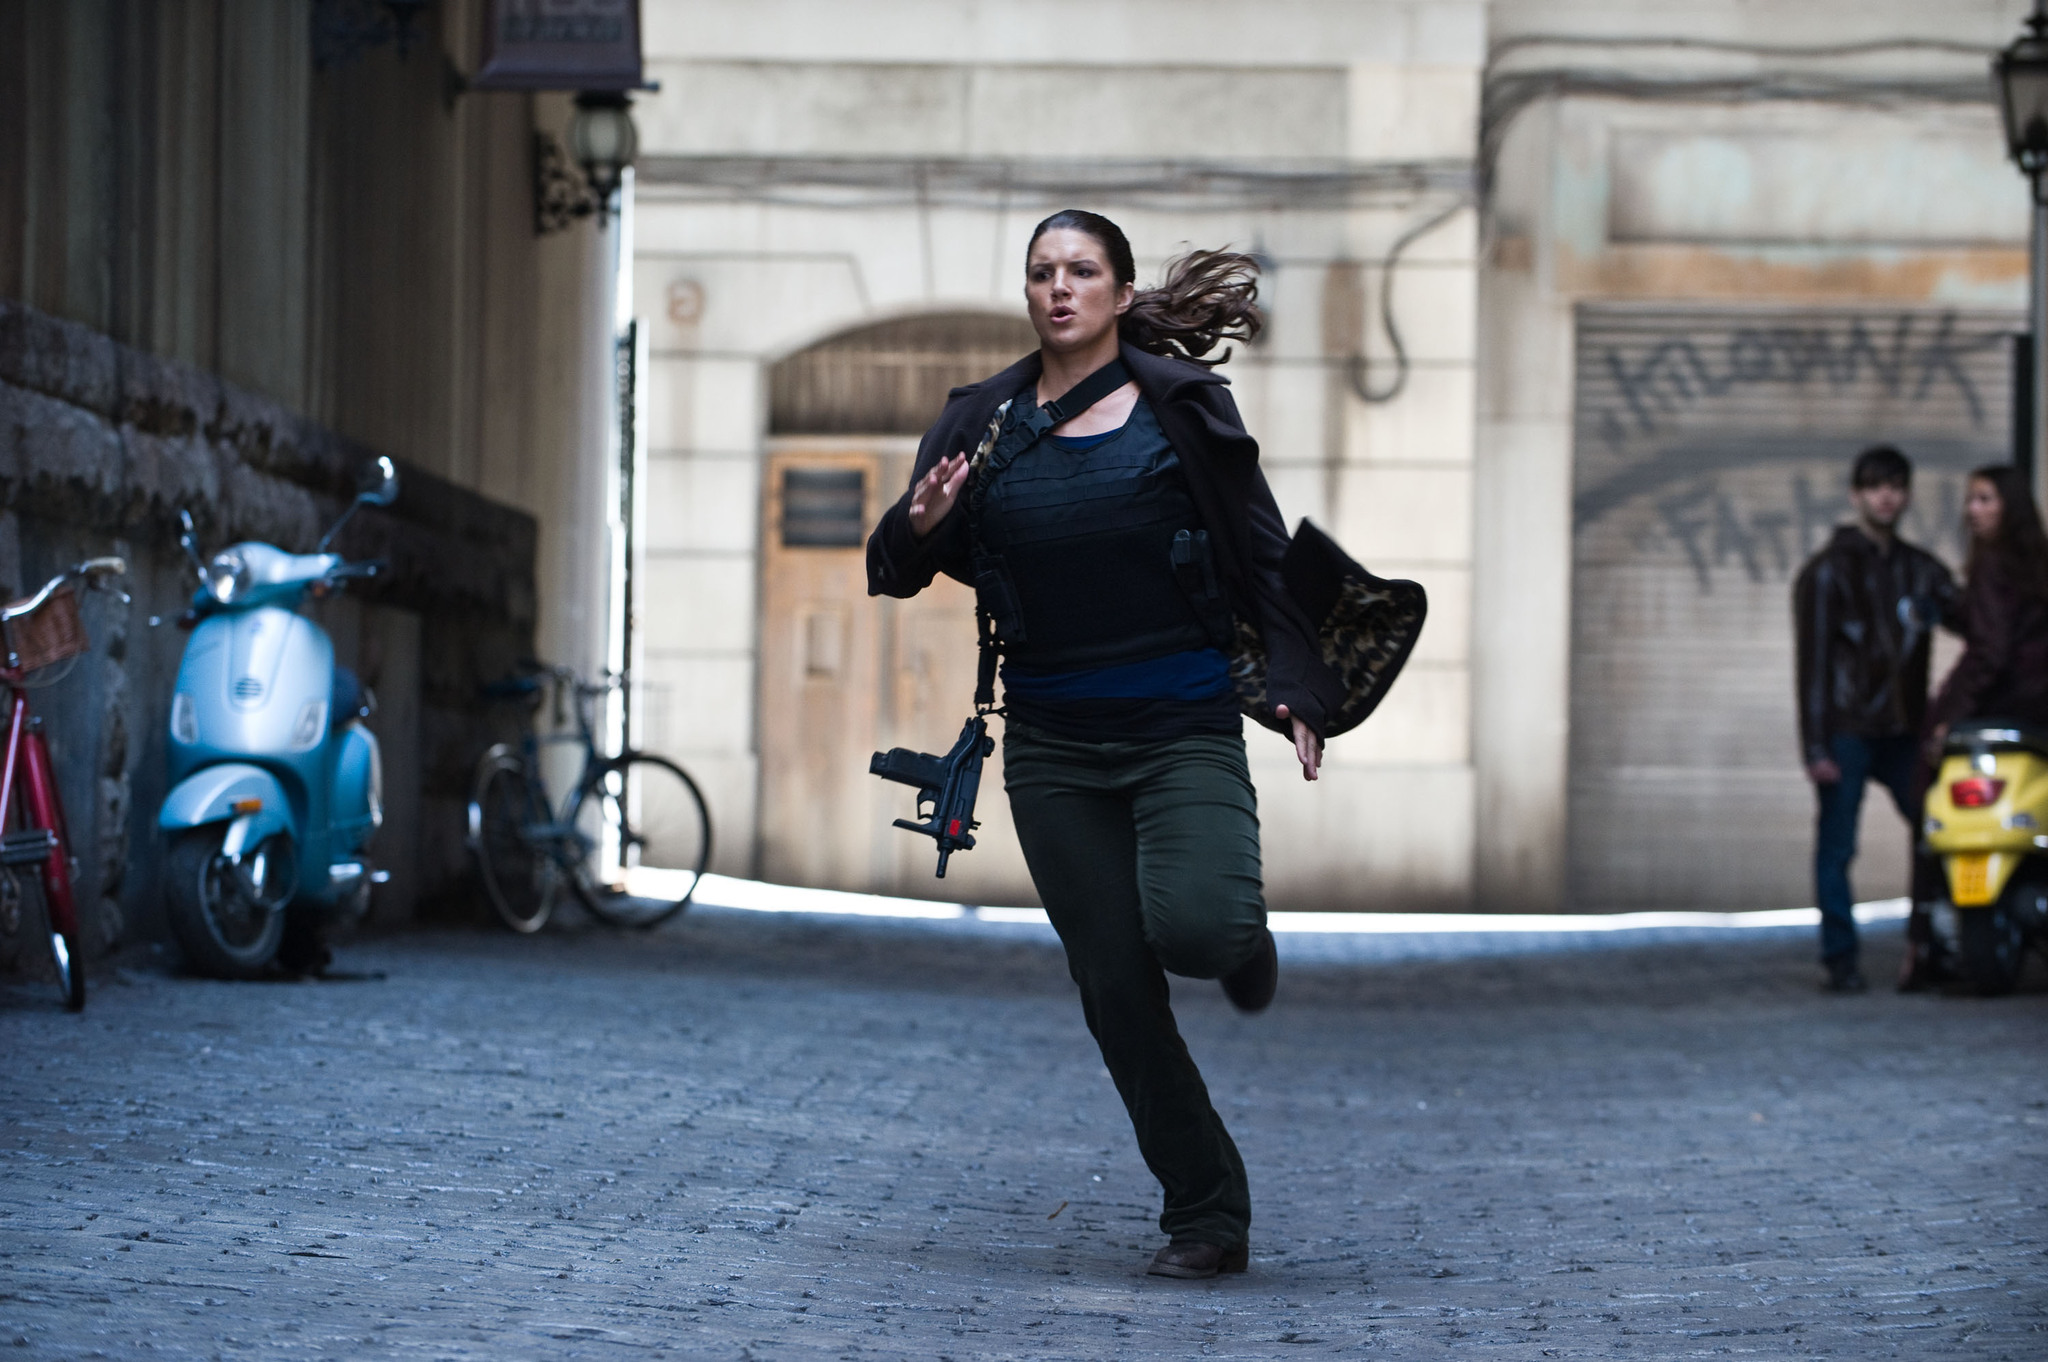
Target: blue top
x=1200, y=674
x=1077, y=443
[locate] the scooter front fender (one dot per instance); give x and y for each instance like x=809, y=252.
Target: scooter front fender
x=249, y=795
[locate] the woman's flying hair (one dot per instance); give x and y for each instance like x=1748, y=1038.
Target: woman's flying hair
x=2020, y=548
x=1207, y=297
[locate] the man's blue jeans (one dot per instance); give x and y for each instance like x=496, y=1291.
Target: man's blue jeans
x=1892, y=762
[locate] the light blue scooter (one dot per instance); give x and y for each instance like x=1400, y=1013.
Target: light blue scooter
x=276, y=783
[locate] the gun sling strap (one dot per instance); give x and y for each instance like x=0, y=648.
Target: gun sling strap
x=1010, y=435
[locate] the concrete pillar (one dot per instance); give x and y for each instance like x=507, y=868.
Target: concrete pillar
x=1521, y=591
x=569, y=414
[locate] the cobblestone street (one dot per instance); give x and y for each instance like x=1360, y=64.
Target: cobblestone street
x=765, y=1137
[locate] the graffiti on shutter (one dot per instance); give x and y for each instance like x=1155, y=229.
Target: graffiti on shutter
x=1711, y=458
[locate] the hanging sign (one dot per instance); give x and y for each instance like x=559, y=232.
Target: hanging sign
x=560, y=45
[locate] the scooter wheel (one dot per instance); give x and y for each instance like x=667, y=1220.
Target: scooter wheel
x=228, y=919
x=1994, y=948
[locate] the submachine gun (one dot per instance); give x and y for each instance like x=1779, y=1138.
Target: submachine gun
x=946, y=784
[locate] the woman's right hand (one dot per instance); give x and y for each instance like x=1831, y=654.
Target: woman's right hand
x=933, y=498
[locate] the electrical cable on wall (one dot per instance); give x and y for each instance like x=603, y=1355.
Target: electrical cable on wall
x=1507, y=93
x=1360, y=365
x=1860, y=48
x=864, y=183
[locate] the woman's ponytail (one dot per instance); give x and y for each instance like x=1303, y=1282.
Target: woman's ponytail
x=1208, y=297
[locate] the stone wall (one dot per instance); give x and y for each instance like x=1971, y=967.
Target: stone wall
x=100, y=446
x=810, y=168
x=329, y=226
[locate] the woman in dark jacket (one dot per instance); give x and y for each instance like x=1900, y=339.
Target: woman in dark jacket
x=2003, y=672
x=1117, y=547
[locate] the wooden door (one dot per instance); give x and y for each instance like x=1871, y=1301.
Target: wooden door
x=819, y=662
x=844, y=675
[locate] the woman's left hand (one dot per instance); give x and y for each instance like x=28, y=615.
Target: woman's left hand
x=1308, y=748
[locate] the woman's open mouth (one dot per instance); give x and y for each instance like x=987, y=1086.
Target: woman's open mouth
x=1061, y=314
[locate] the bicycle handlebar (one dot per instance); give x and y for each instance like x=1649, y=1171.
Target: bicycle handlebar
x=561, y=673
x=92, y=569
x=511, y=688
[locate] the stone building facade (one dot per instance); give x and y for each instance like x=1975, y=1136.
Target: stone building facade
x=810, y=171
x=1576, y=310
x=1470, y=214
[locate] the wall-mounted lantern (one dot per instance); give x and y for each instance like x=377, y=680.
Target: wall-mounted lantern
x=603, y=142
x=2021, y=75
x=2021, y=71
x=592, y=46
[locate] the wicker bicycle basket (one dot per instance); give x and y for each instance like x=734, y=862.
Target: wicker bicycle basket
x=47, y=635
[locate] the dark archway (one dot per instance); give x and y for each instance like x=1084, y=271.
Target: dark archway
x=890, y=378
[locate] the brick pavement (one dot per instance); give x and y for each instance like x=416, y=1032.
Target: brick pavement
x=757, y=1137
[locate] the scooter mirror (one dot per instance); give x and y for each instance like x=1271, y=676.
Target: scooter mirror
x=379, y=482
x=377, y=485
x=189, y=541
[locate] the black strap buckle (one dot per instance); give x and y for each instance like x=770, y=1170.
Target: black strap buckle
x=1085, y=394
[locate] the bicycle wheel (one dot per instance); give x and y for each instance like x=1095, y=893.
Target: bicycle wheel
x=65, y=949
x=653, y=837
x=520, y=876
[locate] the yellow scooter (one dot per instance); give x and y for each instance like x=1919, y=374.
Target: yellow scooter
x=1987, y=818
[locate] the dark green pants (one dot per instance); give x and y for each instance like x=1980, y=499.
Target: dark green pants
x=1146, y=856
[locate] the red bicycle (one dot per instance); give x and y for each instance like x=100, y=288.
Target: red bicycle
x=43, y=635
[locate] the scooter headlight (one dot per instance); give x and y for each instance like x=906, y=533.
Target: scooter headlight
x=227, y=576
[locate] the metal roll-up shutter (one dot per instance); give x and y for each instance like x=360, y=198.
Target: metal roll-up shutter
x=1711, y=457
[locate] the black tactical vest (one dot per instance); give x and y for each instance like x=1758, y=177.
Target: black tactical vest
x=1084, y=540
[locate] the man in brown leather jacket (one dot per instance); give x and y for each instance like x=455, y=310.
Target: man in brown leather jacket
x=1866, y=606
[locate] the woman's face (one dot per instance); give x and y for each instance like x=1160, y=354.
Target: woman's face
x=1982, y=509
x=1073, y=297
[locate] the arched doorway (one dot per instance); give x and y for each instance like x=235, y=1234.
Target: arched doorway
x=890, y=378
x=843, y=675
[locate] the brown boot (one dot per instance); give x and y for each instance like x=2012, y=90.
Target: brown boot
x=1187, y=1258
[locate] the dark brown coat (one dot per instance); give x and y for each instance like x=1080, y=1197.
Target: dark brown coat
x=2003, y=672
x=1865, y=620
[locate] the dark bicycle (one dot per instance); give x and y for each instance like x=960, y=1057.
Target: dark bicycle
x=629, y=841
x=42, y=636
